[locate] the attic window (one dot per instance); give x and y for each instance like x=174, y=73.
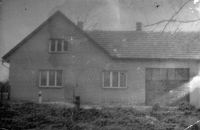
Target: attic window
x=58, y=45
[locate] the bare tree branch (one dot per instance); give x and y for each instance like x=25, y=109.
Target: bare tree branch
x=86, y=18
x=93, y=26
x=173, y=20
x=89, y=19
x=170, y=20
x=180, y=9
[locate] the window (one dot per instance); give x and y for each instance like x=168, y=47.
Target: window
x=163, y=74
x=50, y=78
x=58, y=45
x=182, y=74
x=114, y=79
x=159, y=74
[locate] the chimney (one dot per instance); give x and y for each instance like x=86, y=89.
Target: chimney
x=138, y=26
x=80, y=24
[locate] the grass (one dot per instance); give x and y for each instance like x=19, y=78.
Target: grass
x=30, y=115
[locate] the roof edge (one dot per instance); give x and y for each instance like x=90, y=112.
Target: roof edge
x=58, y=12
x=140, y=58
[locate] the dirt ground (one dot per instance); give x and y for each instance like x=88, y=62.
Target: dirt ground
x=57, y=116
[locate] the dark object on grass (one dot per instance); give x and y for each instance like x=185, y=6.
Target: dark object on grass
x=77, y=102
x=185, y=106
x=156, y=107
x=5, y=91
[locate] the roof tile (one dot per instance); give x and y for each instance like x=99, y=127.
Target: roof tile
x=140, y=44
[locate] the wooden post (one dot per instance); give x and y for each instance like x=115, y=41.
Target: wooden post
x=1, y=92
x=8, y=92
x=77, y=102
x=40, y=97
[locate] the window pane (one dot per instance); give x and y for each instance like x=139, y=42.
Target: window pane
x=43, y=78
x=53, y=44
x=155, y=74
x=163, y=74
x=59, y=45
x=186, y=74
x=114, y=79
x=148, y=74
x=182, y=74
x=59, y=78
x=51, y=78
x=159, y=74
x=106, y=79
x=65, y=46
x=122, y=79
x=171, y=74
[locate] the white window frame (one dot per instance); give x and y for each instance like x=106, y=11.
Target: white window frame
x=47, y=82
x=56, y=46
x=111, y=77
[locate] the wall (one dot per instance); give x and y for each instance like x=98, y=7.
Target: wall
x=82, y=69
x=195, y=89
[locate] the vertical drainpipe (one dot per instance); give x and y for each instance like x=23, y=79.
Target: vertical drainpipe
x=9, y=85
x=40, y=97
x=5, y=61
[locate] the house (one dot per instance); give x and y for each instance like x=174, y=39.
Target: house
x=61, y=60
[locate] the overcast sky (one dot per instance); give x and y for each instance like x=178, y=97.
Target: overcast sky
x=18, y=18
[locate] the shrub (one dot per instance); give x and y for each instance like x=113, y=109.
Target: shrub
x=186, y=108
x=30, y=115
x=4, y=87
x=156, y=107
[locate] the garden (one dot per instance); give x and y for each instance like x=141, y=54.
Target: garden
x=21, y=115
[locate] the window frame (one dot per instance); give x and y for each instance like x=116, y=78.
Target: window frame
x=111, y=79
x=47, y=79
x=63, y=42
x=171, y=74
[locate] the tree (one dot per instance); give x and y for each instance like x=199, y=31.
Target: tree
x=81, y=10
x=90, y=19
x=174, y=19
x=177, y=17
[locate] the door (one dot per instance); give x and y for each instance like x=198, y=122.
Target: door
x=166, y=85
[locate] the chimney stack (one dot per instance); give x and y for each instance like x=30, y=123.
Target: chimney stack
x=80, y=24
x=138, y=26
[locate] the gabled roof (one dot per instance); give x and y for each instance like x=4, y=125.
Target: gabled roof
x=37, y=29
x=135, y=44
x=140, y=44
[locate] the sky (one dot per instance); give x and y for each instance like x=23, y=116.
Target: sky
x=18, y=18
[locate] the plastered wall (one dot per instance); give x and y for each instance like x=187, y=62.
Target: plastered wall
x=82, y=69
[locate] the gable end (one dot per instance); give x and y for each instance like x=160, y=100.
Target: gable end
x=41, y=26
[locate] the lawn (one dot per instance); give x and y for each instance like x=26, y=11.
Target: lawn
x=30, y=115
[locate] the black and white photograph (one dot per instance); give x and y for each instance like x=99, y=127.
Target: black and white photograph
x=100, y=65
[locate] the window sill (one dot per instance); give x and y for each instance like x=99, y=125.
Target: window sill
x=59, y=52
x=114, y=87
x=53, y=87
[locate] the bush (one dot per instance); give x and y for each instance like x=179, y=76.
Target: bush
x=186, y=108
x=4, y=87
x=30, y=115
